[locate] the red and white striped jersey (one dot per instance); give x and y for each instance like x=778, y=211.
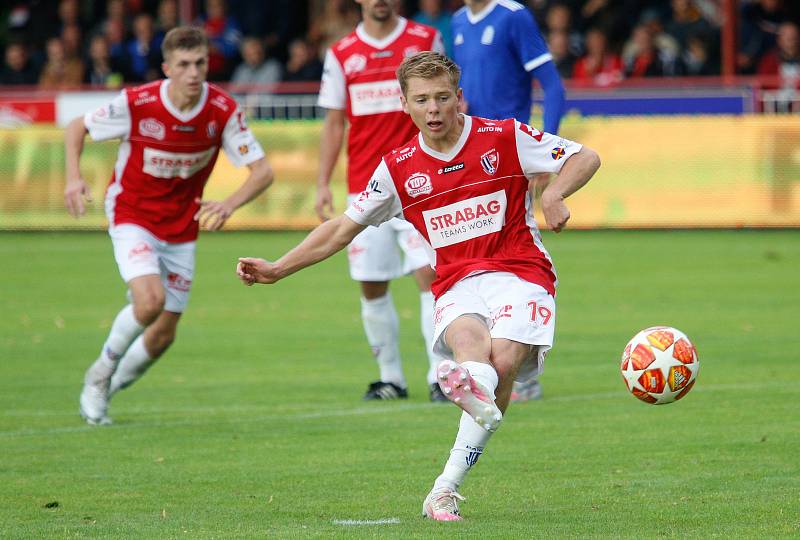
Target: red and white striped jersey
x=166, y=155
x=472, y=204
x=360, y=78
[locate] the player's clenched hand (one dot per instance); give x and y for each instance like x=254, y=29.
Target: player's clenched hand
x=324, y=204
x=251, y=270
x=556, y=213
x=212, y=215
x=76, y=195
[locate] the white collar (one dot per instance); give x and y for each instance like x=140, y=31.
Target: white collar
x=174, y=111
x=385, y=42
x=482, y=14
x=448, y=156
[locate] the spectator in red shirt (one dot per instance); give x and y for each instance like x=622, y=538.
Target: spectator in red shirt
x=599, y=65
x=784, y=59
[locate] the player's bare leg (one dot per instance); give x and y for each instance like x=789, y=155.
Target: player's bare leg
x=147, y=294
x=144, y=352
x=382, y=327
x=424, y=277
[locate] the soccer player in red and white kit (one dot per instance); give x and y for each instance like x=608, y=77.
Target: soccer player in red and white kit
x=171, y=132
x=359, y=85
x=463, y=183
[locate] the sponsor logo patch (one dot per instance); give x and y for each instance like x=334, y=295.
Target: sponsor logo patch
x=178, y=282
x=410, y=51
x=161, y=164
x=183, y=129
x=150, y=127
x=490, y=161
x=418, y=184
x=140, y=250
x=354, y=64
x=375, y=97
x=405, y=155
x=558, y=152
x=465, y=220
x=243, y=149
x=381, y=54
x=144, y=98
x=451, y=168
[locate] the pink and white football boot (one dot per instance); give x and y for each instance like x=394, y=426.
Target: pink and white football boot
x=442, y=505
x=474, y=398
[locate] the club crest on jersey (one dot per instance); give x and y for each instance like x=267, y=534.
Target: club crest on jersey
x=211, y=129
x=150, y=127
x=418, y=184
x=354, y=64
x=488, y=35
x=490, y=161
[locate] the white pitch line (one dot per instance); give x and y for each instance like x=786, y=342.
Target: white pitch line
x=355, y=522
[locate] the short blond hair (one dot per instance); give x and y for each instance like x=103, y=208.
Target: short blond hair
x=183, y=37
x=428, y=65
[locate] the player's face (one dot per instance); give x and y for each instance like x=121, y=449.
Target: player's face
x=378, y=10
x=187, y=70
x=433, y=106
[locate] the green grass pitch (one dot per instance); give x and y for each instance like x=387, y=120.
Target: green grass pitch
x=252, y=426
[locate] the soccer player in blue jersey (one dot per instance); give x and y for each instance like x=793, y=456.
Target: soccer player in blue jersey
x=500, y=51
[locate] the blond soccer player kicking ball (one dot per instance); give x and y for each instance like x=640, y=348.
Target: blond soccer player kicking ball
x=462, y=182
x=170, y=132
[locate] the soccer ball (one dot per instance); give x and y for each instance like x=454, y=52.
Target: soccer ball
x=659, y=365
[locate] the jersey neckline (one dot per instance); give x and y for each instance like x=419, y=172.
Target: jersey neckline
x=448, y=156
x=174, y=111
x=482, y=14
x=402, y=22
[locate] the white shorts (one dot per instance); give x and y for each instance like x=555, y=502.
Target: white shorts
x=386, y=252
x=139, y=253
x=511, y=308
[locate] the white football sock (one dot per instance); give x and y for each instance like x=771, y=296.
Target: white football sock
x=382, y=328
x=132, y=366
x=426, y=314
x=471, y=438
x=483, y=373
x=470, y=442
x=123, y=331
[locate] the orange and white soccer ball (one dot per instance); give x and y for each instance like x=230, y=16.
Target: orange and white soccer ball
x=659, y=365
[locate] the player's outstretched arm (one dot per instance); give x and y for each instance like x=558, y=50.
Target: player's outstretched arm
x=327, y=239
x=212, y=215
x=330, y=145
x=76, y=192
x=574, y=174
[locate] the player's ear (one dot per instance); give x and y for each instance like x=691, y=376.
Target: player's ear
x=404, y=103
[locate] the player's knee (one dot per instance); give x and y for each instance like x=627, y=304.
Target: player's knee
x=466, y=339
x=149, y=306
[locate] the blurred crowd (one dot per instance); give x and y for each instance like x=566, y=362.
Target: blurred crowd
x=68, y=43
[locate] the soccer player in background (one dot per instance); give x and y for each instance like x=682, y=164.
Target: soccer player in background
x=500, y=50
x=359, y=88
x=171, y=132
x=462, y=182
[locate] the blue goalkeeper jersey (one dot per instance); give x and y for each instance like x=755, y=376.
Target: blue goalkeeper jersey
x=497, y=50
